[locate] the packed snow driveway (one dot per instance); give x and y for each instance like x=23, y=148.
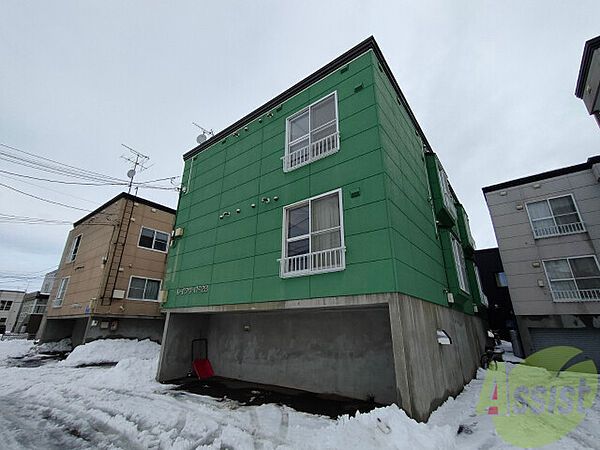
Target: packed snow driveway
x=64, y=405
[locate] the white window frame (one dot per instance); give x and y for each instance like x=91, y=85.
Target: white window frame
x=461, y=265
x=557, y=297
x=330, y=144
x=144, y=278
x=75, y=244
x=63, y=285
x=339, y=252
x=446, y=191
x=573, y=228
x=153, y=240
x=484, y=299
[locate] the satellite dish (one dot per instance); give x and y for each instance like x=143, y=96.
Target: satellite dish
x=130, y=173
x=200, y=139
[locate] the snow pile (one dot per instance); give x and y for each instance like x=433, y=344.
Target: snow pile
x=14, y=348
x=387, y=427
x=63, y=345
x=111, y=351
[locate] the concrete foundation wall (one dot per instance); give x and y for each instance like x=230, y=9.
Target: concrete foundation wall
x=386, y=349
x=427, y=373
x=79, y=329
x=176, y=350
x=346, y=352
x=128, y=328
x=57, y=329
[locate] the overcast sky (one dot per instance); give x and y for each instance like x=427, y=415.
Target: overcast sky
x=490, y=82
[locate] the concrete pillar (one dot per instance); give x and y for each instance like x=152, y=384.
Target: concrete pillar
x=176, y=350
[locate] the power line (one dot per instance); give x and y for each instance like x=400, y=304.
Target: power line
x=43, y=199
x=60, y=181
x=9, y=218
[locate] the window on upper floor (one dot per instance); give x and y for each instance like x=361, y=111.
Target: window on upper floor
x=554, y=217
x=141, y=288
x=484, y=299
x=60, y=293
x=313, y=236
x=153, y=239
x=74, y=248
x=312, y=133
x=461, y=266
x=501, y=279
x=447, y=192
x=5, y=305
x=574, y=279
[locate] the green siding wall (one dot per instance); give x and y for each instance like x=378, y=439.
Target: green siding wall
x=417, y=253
x=237, y=256
x=392, y=241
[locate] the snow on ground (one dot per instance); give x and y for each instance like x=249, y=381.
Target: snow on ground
x=58, y=406
x=111, y=351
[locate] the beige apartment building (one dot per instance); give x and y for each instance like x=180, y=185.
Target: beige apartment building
x=111, y=272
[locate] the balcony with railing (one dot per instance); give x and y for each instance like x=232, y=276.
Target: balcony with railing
x=311, y=152
x=558, y=230
x=329, y=260
x=576, y=295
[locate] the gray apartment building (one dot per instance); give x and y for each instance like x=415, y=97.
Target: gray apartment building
x=548, y=231
x=10, y=305
x=588, y=81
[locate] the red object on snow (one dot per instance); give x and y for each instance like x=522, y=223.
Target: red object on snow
x=203, y=368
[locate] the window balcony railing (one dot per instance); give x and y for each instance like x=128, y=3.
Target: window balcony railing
x=316, y=262
x=315, y=150
x=558, y=230
x=576, y=295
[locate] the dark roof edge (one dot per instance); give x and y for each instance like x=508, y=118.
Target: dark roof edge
x=586, y=60
x=129, y=197
x=337, y=63
x=541, y=176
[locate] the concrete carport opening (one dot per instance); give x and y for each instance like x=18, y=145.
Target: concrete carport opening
x=347, y=352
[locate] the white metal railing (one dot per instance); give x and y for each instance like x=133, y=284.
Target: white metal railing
x=557, y=230
x=576, y=295
x=315, y=150
x=316, y=262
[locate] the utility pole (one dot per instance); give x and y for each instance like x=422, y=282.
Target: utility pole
x=139, y=161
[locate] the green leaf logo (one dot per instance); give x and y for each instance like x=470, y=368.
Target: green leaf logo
x=546, y=396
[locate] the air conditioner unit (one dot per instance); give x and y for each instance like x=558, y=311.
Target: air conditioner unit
x=118, y=293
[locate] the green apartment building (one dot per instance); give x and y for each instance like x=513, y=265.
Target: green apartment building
x=318, y=245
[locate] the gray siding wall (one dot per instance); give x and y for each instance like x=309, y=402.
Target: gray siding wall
x=519, y=250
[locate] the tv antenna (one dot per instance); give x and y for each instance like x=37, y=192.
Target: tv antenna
x=139, y=161
x=202, y=138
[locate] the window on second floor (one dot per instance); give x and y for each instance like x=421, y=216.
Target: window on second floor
x=447, y=192
x=5, y=305
x=60, y=294
x=74, y=248
x=143, y=288
x=461, y=266
x=313, y=236
x=554, y=216
x=312, y=133
x=153, y=239
x=574, y=279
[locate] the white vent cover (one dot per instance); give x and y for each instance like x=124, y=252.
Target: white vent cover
x=118, y=293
